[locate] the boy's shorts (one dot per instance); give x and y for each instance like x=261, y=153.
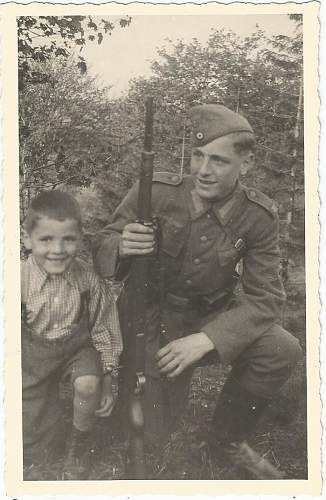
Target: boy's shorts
x=87, y=361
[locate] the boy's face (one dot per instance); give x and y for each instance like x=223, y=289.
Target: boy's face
x=54, y=243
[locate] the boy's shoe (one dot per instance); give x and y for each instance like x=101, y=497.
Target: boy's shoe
x=77, y=460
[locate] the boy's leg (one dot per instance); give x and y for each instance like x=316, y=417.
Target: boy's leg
x=85, y=374
x=87, y=393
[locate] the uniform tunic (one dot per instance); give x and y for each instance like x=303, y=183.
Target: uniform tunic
x=200, y=245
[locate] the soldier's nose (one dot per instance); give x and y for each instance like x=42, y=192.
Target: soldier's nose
x=204, y=168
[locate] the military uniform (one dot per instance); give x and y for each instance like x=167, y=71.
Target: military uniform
x=208, y=224
x=201, y=244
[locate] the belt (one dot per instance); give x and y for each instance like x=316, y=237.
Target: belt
x=203, y=303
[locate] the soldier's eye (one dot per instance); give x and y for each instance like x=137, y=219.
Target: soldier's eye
x=197, y=154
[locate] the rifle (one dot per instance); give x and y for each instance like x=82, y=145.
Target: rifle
x=138, y=286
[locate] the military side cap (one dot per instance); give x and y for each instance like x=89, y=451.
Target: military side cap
x=211, y=121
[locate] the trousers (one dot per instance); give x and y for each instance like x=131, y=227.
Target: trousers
x=44, y=364
x=261, y=369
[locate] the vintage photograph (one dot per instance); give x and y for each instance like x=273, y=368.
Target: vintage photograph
x=162, y=250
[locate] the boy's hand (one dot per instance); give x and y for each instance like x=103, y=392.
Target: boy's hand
x=107, y=398
x=137, y=239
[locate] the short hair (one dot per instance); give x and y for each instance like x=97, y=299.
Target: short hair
x=244, y=142
x=56, y=205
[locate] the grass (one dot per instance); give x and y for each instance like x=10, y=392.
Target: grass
x=280, y=436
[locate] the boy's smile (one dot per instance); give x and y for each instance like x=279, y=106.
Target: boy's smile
x=54, y=243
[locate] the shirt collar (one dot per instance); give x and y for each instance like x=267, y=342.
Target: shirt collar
x=40, y=276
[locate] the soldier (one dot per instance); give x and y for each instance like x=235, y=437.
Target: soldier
x=208, y=222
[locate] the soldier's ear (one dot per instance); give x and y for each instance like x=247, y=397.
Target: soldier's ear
x=26, y=239
x=247, y=163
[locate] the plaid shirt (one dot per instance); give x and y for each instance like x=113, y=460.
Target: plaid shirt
x=53, y=305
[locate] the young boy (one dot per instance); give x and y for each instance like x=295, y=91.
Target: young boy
x=70, y=331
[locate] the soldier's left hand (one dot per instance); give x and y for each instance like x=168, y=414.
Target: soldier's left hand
x=181, y=353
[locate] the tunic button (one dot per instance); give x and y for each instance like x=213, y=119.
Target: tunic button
x=196, y=261
x=253, y=194
x=203, y=238
x=188, y=282
x=175, y=178
x=208, y=216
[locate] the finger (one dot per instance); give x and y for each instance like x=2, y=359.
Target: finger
x=170, y=367
x=105, y=409
x=165, y=359
x=163, y=351
x=137, y=251
x=175, y=372
x=136, y=227
x=137, y=244
x=128, y=236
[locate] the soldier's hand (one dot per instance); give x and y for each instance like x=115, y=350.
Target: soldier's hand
x=137, y=240
x=181, y=353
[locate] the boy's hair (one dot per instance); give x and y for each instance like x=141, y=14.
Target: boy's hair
x=244, y=142
x=56, y=205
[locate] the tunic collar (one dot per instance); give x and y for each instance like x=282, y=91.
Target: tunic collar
x=223, y=209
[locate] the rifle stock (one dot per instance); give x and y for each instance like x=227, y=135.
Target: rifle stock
x=138, y=286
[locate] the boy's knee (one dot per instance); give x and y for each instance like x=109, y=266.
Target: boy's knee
x=87, y=386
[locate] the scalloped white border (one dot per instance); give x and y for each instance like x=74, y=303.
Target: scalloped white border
x=9, y=110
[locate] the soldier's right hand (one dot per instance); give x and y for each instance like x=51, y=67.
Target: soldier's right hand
x=137, y=239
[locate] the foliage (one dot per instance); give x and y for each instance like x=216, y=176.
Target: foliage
x=44, y=37
x=257, y=76
x=64, y=129
x=72, y=133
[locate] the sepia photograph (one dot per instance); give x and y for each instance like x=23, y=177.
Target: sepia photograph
x=162, y=203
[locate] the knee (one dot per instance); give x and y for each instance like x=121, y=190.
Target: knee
x=290, y=348
x=87, y=386
x=285, y=348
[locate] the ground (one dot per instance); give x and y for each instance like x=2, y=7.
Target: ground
x=280, y=437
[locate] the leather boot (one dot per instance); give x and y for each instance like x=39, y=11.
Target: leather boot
x=76, y=462
x=235, y=417
x=237, y=413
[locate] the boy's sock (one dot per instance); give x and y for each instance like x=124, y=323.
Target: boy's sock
x=76, y=463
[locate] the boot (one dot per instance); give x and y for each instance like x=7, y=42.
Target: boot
x=76, y=462
x=235, y=417
x=237, y=413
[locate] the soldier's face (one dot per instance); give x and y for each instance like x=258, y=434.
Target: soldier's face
x=216, y=167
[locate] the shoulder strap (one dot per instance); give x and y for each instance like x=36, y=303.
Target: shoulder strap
x=81, y=278
x=261, y=199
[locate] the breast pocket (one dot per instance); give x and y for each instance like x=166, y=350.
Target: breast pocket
x=173, y=237
x=228, y=256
